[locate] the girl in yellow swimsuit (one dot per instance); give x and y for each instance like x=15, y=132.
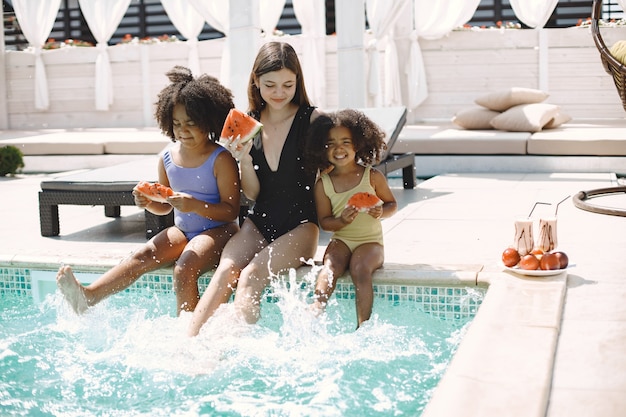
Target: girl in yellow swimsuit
x=344, y=145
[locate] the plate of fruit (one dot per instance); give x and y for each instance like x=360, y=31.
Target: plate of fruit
x=537, y=263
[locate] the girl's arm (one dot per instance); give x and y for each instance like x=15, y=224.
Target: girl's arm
x=325, y=215
x=227, y=210
x=390, y=206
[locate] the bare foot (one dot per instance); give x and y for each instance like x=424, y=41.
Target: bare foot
x=72, y=290
x=317, y=308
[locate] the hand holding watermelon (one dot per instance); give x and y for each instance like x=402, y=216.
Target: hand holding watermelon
x=238, y=131
x=364, y=201
x=153, y=191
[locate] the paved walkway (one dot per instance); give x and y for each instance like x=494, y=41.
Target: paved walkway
x=538, y=347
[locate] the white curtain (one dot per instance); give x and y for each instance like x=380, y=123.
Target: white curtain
x=622, y=3
x=534, y=13
x=382, y=15
x=311, y=15
x=103, y=17
x=269, y=15
x=432, y=20
x=36, y=21
x=189, y=23
x=216, y=14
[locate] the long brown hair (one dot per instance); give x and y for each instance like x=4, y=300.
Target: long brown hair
x=274, y=56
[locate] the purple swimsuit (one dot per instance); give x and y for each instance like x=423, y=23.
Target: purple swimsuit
x=201, y=184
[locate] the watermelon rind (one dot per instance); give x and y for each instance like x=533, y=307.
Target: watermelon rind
x=239, y=127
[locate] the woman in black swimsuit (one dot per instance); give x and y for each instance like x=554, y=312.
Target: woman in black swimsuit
x=282, y=228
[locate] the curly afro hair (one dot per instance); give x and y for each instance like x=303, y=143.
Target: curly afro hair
x=206, y=101
x=367, y=137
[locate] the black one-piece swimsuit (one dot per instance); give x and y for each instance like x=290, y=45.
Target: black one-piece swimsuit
x=285, y=199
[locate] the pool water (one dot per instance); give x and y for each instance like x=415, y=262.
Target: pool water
x=129, y=356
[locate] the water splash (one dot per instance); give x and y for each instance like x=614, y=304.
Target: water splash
x=130, y=355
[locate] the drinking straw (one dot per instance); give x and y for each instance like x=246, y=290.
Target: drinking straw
x=556, y=210
x=535, y=205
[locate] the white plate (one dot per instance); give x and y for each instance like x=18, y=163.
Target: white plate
x=536, y=272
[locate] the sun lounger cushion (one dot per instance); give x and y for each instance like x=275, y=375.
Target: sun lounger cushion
x=124, y=141
x=114, y=178
x=141, y=142
x=580, y=139
x=55, y=144
x=445, y=138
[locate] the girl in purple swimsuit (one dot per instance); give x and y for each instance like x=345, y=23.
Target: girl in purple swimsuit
x=205, y=178
x=282, y=228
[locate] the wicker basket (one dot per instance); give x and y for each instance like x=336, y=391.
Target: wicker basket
x=615, y=68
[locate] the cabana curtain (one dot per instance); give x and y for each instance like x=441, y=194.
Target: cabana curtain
x=269, y=15
x=189, y=23
x=36, y=20
x=216, y=14
x=382, y=16
x=534, y=13
x=432, y=20
x=311, y=15
x=103, y=17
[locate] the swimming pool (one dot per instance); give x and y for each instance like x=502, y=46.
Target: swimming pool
x=130, y=356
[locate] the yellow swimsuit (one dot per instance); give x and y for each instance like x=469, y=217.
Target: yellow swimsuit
x=364, y=228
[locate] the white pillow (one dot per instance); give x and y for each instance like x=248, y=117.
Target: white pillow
x=474, y=118
x=558, y=120
x=505, y=99
x=525, y=117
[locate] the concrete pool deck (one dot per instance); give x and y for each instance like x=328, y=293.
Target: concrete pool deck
x=547, y=346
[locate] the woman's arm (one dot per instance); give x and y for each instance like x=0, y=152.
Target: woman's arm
x=249, y=181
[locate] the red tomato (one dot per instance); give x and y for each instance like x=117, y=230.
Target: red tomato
x=549, y=261
x=537, y=252
x=529, y=262
x=563, y=259
x=510, y=257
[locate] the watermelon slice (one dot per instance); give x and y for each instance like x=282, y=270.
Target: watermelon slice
x=364, y=201
x=154, y=191
x=238, y=129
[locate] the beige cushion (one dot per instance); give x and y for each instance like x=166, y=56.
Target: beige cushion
x=558, y=120
x=129, y=140
x=592, y=137
x=525, y=117
x=447, y=139
x=505, y=99
x=138, y=146
x=474, y=118
x=55, y=144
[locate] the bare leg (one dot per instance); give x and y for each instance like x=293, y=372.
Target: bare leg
x=238, y=252
x=366, y=259
x=336, y=261
x=200, y=255
x=285, y=252
x=160, y=251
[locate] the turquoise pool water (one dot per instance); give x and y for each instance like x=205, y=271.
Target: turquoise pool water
x=129, y=356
